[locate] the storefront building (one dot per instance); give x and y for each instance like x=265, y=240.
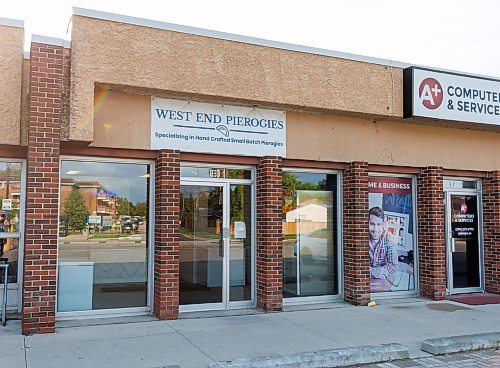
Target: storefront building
x=149, y=168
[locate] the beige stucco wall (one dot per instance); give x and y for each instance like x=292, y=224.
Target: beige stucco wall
x=123, y=121
x=11, y=67
x=333, y=138
x=160, y=61
x=25, y=102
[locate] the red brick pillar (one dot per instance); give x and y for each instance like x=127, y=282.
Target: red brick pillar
x=356, y=238
x=166, y=252
x=42, y=191
x=491, y=226
x=269, y=235
x=431, y=233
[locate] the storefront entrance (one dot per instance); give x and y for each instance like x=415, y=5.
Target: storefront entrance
x=464, y=250
x=216, y=239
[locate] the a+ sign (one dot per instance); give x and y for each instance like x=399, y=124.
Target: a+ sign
x=436, y=90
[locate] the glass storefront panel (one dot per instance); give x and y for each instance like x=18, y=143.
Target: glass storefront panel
x=460, y=184
x=10, y=217
x=214, y=172
x=310, y=245
x=240, y=245
x=391, y=231
x=103, y=235
x=201, y=250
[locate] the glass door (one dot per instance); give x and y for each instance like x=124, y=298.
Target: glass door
x=201, y=245
x=216, y=253
x=240, y=260
x=464, y=245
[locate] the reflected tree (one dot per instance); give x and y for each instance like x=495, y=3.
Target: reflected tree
x=76, y=211
x=123, y=206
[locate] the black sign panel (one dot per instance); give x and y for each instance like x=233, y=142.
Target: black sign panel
x=464, y=217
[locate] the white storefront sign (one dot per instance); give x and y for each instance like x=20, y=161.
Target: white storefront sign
x=107, y=221
x=454, y=97
x=93, y=219
x=210, y=128
x=6, y=204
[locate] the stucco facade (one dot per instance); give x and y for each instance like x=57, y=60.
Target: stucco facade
x=11, y=70
x=170, y=63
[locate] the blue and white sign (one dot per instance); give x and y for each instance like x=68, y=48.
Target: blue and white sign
x=210, y=128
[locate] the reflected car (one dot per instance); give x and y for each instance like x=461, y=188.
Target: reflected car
x=130, y=226
x=313, y=246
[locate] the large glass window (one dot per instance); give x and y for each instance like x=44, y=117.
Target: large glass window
x=310, y=245
x=103, y=235
x=10, y=217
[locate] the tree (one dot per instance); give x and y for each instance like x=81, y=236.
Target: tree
x=76, y=211
x=141, y=209
x=124, y=207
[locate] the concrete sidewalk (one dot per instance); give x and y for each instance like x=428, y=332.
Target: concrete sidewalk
x=197, y=340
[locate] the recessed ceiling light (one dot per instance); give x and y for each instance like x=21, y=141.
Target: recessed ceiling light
x=72, y=172
x=144, y=176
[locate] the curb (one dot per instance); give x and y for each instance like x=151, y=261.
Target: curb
x=455, y=344
x=325, y=358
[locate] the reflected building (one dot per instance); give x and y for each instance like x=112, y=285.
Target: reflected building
x=98, y=200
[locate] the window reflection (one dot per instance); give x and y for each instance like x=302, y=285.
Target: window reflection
x=310, y=232
x=10, y=217
x=103, y=235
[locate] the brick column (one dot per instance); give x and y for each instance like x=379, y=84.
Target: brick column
x=356, y=236
x=42, y=191
x=269, y=235
x=166, y=252
x=431, y=233
x=491, y=226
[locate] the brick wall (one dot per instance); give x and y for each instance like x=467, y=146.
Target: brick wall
x=491, y=225
x=166, y=252
x=431, y=233
x=42, y=190
x=356, y=238
x=269, y=234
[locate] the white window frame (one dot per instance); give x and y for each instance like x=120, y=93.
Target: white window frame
x=304, y=300
x=117, y=312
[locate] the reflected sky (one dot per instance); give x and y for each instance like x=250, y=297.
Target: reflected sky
x=126, y=180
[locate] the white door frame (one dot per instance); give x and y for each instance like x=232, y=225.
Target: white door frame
x=226, y=304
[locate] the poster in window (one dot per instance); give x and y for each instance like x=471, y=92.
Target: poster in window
x=464, y=217
x=390, y=228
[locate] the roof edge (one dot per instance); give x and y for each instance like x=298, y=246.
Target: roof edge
x=12, y=22
x=51, y=41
